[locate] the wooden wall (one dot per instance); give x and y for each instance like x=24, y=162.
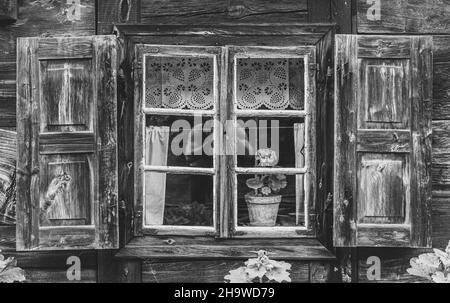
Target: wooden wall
x=37, y=18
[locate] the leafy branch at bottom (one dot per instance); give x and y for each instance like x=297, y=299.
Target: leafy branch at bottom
x=432, y=266
x=9, y=272
x=260, y=270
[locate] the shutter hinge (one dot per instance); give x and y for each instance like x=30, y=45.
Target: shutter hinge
x=134, y=65
x=314, y=66
x=137, y=214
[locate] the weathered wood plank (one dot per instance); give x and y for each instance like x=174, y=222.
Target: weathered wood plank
x=217, y=11
x=130, y=271
x=83, y=215
x=422, y=73
x=198, y=248
x=320, y=272
x=66, y=143
x=384, y=47
x=8, y=149
x=8, y=10
x=387, y=209
x=45, y=275
x=383, y=141
x=205, y=271
x=441, y=74
x=346, y=75
x=325, y=131
x=37, y=18
x=221, y=30
x=106, y=61
x=116, y=11
x=27, y=160
x=319, y=11
x=7, y=238
x=403, y=16
x=125, y=139
x=342, y=15
x=393, y=265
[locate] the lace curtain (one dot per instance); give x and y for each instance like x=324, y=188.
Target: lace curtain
x=276, y=84
x=179, y=83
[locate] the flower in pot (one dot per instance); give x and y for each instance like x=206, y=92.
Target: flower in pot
x=263, y=202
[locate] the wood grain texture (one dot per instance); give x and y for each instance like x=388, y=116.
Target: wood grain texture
x=319, y=10
x=404, y=16
x=394, y=92
x=106, y=61
x=205, y=271
x=342, y=14
x=394, y=263
x=346, y=71
x=422, y=74
x=325, y=131
x=125, y=143
x=37, y=18
x=8, y=10
x=441, y=74
x=116, y=11
x=8, y=148
x=208, y=248
x=68, y=194
x=216, y=11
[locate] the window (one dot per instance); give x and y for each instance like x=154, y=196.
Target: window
x=179, y=183
x=207, y=117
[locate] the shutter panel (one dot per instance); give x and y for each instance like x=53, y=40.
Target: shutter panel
x=383, y=141
x=67, y=153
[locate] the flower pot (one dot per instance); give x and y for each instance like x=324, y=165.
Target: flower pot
x=262, y=211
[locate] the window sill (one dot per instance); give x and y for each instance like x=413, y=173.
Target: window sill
x=206, y=248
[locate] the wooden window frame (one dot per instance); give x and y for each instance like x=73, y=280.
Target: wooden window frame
x=308, y=54
x=141, y=112
x=225, y=170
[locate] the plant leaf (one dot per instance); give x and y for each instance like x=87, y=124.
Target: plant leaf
x=238, y=276
x=439, y=277
x=12, y=275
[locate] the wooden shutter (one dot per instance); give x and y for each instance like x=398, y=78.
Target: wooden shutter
x=67, y=153
x=383, y=141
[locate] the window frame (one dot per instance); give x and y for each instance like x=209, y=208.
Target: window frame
x=308, y=53
x=141, y=112
x=225, y=214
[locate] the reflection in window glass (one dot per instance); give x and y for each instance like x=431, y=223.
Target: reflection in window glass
x=179, y=141
x=285, y=136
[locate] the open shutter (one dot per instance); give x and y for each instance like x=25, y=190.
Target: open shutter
x=383, y=141
x=67, y=153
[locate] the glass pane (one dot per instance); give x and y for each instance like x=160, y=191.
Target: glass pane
x=179, y=141
x=178, y=200
x=284, y=136
x=270, y=83
x=179, y=82
x=272, y=200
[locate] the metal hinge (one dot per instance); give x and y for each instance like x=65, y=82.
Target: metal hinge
x=137, y=214
x=314, y=66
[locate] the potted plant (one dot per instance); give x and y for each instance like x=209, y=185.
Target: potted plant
x=263, y=202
